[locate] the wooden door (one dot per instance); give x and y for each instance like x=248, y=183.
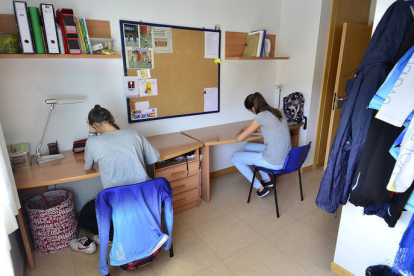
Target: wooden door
x=354, y=42
x=353, y=11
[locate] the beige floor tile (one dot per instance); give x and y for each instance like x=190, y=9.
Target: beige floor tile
x=218, y=269
x=324, y=222
x=202, y=214
x=326, y=271
x=263, y=258
x=60, y=263
x=297, y=208
x=261, y=216
x=191, y=255
x=84, y=262
x=226, y=235
x=179, y=226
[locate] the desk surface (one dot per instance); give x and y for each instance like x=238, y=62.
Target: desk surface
x=71, y=168
x=221, y=134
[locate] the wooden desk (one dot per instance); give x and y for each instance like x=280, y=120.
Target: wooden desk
x=71, y=168
x=224, y=134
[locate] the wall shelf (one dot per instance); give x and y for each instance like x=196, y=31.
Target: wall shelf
x=235, y=42
x=57, y=56
x=96, y=28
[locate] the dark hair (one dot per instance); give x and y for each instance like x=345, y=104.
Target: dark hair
x=99, y=115
x=259, y=103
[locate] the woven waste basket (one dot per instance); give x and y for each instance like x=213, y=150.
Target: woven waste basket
x=52, y=220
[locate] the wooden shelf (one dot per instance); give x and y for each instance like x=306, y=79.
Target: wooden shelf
x=57, y=56
x=96, y=28
x=235, y=42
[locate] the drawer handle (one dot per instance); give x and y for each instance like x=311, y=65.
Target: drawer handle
x=179, y=188
x=177, y=173
x=179, y=201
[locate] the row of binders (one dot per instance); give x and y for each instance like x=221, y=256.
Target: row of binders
x=39, y=33
x=257, y=45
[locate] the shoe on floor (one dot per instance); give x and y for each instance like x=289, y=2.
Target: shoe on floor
x=267, y=184
x=85, y=245
x=263, y=193
x=95, y=238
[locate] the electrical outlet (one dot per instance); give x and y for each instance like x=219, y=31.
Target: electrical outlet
x=279, y=86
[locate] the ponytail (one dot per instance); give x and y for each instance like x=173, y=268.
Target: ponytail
x=99, y=115
x=257, y=102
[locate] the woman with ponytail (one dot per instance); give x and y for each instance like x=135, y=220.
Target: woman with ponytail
x=121, y=154
x=273, y=152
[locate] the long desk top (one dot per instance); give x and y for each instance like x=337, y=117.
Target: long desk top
x=224, y=134
x=221, y=134
x=71, y=168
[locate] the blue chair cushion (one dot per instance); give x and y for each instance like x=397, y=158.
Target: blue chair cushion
x=276, y=172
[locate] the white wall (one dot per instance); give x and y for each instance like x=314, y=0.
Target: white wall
x=367, y=240
x=303, y=37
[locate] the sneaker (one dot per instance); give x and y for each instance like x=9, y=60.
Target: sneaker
x=84, y=245
x=95, y=238
x=267, y=184
x=263, y=193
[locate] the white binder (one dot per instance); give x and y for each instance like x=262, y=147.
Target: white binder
x=22, y=22
x=49, y=28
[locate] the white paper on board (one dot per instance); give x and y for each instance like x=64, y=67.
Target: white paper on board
x=131, y=87
x=211, y=99
x=142, y=105
x=148, y=87
x=211, y=44
x=145, y=114
x=144, y=74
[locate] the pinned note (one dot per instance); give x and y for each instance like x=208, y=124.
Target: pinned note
x=211, y=99
x=217, y=60
x=144, y=74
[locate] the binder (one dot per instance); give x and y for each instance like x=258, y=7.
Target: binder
x=23, y=26
x=49, y=28
x=251, y=45
x=62, y=28
x=70, y=31
x=37, y=30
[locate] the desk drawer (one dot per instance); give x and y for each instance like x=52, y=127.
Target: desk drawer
x=178, y=172
x=186, y=197
x=185, y=184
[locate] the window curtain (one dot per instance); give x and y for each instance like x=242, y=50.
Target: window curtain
x=10, y=204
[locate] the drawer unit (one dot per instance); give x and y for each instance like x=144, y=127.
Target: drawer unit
x=185, y=198
x=177, y=172
x=185, y=184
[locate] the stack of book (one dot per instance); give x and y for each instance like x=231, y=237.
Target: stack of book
x=42, y=32
x=255, y=44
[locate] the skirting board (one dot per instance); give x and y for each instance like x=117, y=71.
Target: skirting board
x=233, y=169
x=339, y=270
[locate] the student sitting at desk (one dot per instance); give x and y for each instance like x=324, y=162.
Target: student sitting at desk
x=273, y=152
x=121, y=154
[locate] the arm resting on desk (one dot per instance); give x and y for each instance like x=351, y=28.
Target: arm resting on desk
x=247, y=131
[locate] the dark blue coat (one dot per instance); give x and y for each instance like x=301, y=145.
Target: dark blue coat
x=356, y=118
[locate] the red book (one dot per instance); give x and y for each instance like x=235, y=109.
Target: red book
x=69, y=31
x=59, y=19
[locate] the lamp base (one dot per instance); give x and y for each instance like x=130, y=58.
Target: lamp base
x=49, y=158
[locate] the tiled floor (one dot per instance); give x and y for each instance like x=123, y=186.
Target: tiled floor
x=230, y=237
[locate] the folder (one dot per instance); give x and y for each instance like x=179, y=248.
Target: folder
x=70, y=31
x=23, y=26
x=59, y=18
x=252, y=44
x=37, y=30
x=49, y=28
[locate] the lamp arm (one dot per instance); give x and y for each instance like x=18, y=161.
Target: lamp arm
x=44, y=131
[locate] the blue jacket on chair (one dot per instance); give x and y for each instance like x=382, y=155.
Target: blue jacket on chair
x=136, y=215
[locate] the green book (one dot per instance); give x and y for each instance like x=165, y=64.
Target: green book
x=37, y=30
x=85, y=37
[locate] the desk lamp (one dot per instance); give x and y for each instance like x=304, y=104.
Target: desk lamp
x=49, y=158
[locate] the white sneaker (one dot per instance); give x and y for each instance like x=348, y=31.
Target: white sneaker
x=85, y=245
x=95, y=238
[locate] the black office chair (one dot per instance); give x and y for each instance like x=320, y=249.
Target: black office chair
x=293, y=162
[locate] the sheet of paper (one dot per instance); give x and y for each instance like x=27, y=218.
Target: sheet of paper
x=142, y=105
x=162, y=40
x=144, y=74
x=211, y=44
x=148, y=87
x=211, y=99
x=144, y=114
x=131, y=87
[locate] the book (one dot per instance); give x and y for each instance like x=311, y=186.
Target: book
x=23, y=27
x=47, y=16
x=267, y=47
x=86, y=37
x=62, y=30
x=260, y=46
x=80, y=38
x=252, y=43
x=66, y=18
x=37, y=30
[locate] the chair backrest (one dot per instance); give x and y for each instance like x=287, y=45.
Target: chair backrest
x=295, y=158
x=293, y=107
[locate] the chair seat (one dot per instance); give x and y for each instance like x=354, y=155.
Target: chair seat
x=276, y=172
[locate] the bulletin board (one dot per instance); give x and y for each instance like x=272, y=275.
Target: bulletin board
x=180, y=75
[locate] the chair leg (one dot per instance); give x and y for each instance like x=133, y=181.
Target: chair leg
x=274, y=189
x=251, y=186
x=171, y=251
x=300, y=184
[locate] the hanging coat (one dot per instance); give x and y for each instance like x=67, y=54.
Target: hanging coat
x=356, y=118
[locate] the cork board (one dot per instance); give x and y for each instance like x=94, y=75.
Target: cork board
x=182, y=75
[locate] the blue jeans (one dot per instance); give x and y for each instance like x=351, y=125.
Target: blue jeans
x=252, y=155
